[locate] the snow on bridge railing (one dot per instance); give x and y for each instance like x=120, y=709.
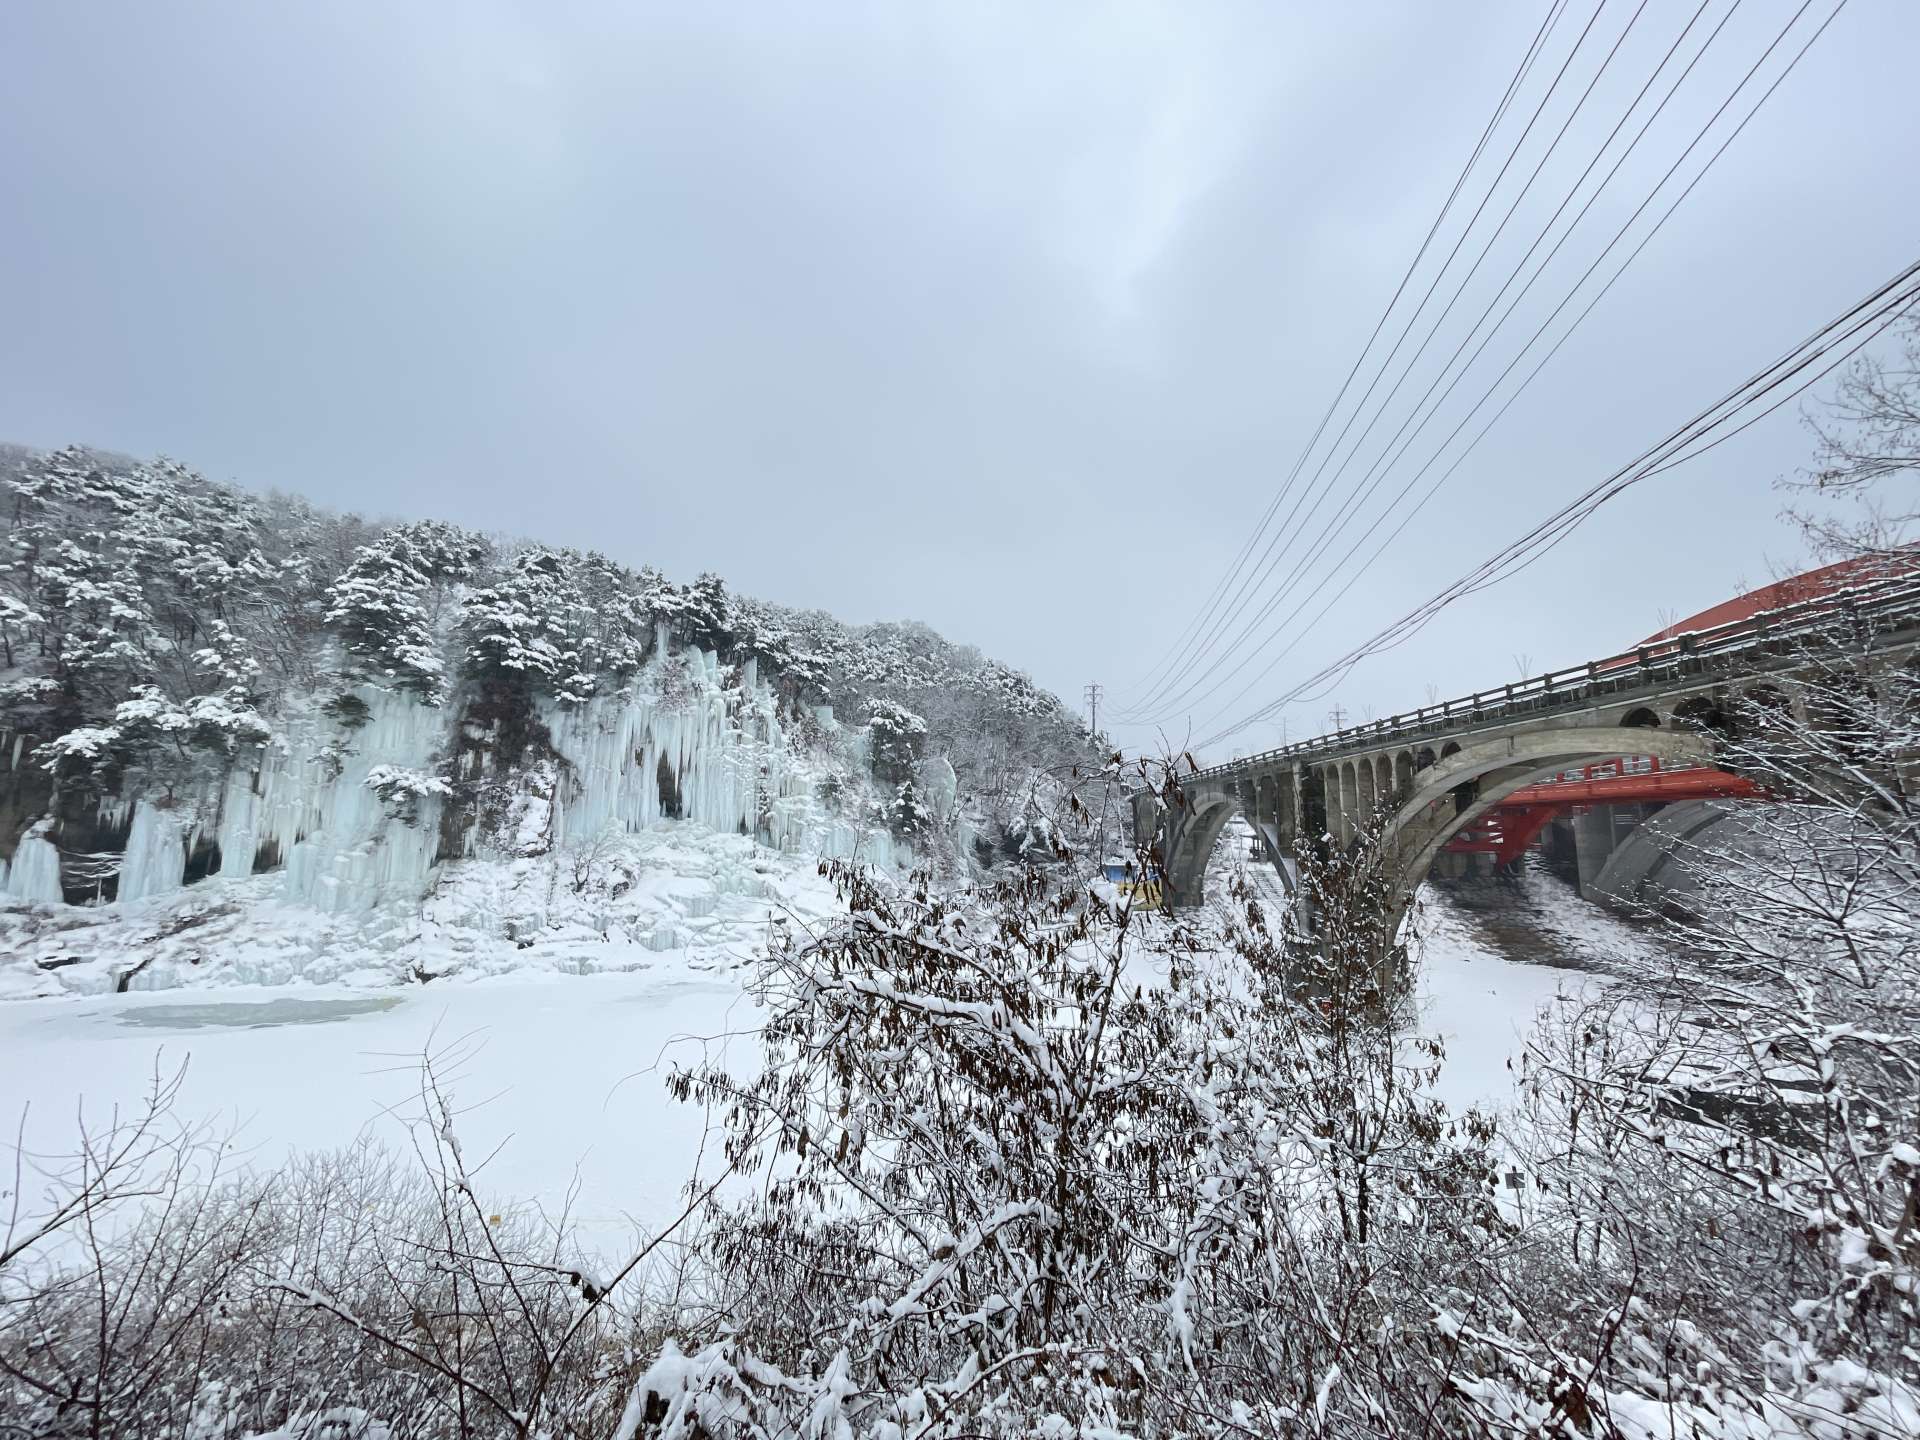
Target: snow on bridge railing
x=1891, y=599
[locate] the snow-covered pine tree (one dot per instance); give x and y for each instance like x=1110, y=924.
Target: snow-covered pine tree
x=907, y=815
x=128, y=597
x=384, y=605
x=896, y=741
x=533, y=628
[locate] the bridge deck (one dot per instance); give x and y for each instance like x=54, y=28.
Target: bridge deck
x=1765, y=642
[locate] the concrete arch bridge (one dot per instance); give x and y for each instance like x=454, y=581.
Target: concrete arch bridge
x=1437, y=771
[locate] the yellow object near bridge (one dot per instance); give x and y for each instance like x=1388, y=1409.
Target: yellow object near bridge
x=1128, y=879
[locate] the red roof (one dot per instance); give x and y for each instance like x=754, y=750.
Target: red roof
x=1863, y=570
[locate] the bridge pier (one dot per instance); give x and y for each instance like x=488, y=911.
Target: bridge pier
x=1643, y=868
x=1593, y=844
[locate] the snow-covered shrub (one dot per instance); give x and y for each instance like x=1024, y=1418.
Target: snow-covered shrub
x=675, y=683
x=150, y=1289
x=896, y=739
x=1010, y=1187
x=401, y=790
x=1744, y=1131
x=526, y=824
x=907, y=815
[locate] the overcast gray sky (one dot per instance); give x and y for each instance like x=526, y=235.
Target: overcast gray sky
x=1006, y=318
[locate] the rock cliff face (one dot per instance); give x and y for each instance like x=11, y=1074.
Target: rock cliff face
x=358, y=813
x=197, y=685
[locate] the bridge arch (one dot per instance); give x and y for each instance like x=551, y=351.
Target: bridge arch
x=1655, y=843
x=1478, y=777
x=1191, y=836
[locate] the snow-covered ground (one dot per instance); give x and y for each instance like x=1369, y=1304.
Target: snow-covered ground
x=562, y=1047
x=675, y=892
x=557, y=1051
x=564, y=1074
x=1477, y=1001
x=1491, y=956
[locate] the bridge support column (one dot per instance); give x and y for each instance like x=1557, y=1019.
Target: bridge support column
x=1593, y=844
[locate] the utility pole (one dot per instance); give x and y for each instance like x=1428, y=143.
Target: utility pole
x=1338, y=715
x=1093, y=693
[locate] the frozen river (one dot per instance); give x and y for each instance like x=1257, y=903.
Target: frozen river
x=566, y=1074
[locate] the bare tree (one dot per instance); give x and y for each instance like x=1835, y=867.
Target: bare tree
x=1766, y=1084
x=1867, y=447
x=152, y=1291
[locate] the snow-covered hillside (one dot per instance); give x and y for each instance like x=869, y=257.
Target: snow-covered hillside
x=217, y=705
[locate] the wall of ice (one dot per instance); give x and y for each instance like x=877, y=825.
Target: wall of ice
x=303, y=809
x=34, y=871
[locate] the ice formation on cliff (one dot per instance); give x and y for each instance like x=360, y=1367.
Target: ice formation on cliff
x=684, y=742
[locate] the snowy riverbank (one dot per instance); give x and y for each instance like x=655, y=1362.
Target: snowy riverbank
x=565, y=1071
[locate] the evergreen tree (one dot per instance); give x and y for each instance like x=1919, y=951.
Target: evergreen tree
x=534, y=627
x=383, y=606
x=896, y=739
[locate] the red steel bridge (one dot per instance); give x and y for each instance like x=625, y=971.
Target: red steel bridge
x=1505, y=831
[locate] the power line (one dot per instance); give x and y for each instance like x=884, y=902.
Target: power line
x=1850, y=335
x=1514, y=84
x=1376, y=474
x=1162, y=701
x=1166, y=699
x=1551, y=534
x=1520, y=389
x=1764, y=393
x=1390, y=457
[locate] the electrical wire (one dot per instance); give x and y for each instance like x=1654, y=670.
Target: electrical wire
x=1281, y=629
x=1390, y=456
x=1841, y=338
x=1376, y=474
x=1179, y=647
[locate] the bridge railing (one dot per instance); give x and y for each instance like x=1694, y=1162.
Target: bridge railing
x=1691, y=653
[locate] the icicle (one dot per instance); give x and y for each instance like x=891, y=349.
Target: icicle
x=156, y=858
x=34, y=873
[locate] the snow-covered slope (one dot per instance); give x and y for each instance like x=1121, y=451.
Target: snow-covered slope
x=677, y=894
x=260, y=704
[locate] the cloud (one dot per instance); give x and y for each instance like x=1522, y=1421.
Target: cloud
x=1008, y=318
